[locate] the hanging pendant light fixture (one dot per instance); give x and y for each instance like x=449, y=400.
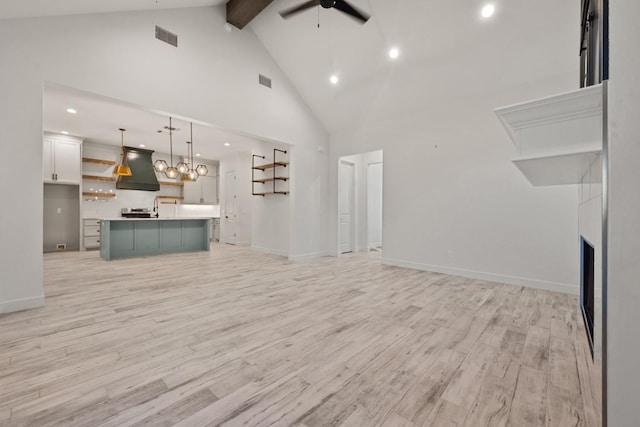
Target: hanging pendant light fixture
x=182, y=166
x=201, y=170
x=123, y=168
x=161, y=165
x=171, y=172
x=192, y=175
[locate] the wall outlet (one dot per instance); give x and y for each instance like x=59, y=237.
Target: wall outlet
x=61, y=246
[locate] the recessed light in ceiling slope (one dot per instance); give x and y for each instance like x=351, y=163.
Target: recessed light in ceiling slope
x=226, y=144
x=394, y=53
x=333, y=79
x=64, y=132
x=488, y=10
x=71, y=110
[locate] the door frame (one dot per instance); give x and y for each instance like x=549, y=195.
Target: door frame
x=369, y=243
x=226, y=211
x=353, y=205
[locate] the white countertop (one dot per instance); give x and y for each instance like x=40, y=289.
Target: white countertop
x=150, y=219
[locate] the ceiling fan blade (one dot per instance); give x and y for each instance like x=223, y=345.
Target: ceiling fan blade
x=297, y=9
x=345, y=7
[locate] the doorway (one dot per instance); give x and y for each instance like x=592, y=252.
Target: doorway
x=374, y=206
x=360, y=202
x=231, y=208
x=346, y=206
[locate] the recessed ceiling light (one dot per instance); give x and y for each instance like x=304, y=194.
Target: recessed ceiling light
x=71, y=111
x=197, y=154
x=226, y=144
x=394, y=53
x=142, y=145
x=334, y=79
x=64, y=132
x=488, y=10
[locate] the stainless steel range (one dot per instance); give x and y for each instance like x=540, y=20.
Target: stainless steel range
x=136, y=212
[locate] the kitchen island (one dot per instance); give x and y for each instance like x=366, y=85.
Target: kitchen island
x=130, y=237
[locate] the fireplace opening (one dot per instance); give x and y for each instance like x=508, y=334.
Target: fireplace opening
x=587, y=274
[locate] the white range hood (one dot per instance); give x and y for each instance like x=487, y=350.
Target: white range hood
x=557, y=137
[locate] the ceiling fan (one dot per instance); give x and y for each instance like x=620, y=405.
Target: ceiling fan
x=341, y=5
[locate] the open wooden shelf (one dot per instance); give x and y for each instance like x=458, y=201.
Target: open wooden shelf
x=98, y=161
x=265, y=177
x=270, y=166
x=170, y=197
x=99, y=178
x=92, y=194
x=277, y=178
x=174, y=184
x=270, y=192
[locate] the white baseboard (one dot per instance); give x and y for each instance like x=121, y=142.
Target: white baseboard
x=305, y=257
x=491, y=277
x=21, y=304
x=269, y=251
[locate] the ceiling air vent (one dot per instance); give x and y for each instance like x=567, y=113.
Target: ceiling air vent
x=264, y=81
x=166, y=36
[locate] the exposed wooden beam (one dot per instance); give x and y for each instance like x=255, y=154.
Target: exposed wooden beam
x=241, y=12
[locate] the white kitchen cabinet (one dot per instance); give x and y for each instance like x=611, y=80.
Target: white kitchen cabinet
x=61, y=159
x=203, y=191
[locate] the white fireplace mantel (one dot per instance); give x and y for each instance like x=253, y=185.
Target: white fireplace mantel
x=557, y=137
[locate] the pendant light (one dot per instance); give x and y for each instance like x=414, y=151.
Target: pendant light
x=123, y=168
x=161, y=165
x=171, y=172
x=201, y=170
x=192, y=175
x=182, y=166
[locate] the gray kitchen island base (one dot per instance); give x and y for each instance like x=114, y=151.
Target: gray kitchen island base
x=130, y=237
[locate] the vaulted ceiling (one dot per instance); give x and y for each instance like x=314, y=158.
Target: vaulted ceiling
x=446, y=49
x=33, y=8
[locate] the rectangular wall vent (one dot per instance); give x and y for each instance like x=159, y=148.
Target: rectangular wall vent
x=166, y=36
x=264, y=81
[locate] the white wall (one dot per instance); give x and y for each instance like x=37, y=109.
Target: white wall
x=623, y=214
x=270, y=229
x=211, y=77
x=454, y=202
x=309, y=209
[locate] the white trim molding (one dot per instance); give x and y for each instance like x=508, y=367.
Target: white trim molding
x=306, y=257
x=490, y=277
x=269, y=251
x=21, y=304
x=555, y=137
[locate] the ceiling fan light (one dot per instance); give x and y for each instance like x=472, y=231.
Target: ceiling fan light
x=202, y=170
x=160, y=165
x=171, y=173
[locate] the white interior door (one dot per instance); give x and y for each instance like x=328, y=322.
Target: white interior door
x=374, y=205
x=231, y=208
x=346, y=206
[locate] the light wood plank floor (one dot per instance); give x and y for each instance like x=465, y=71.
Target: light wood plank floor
x=234, y=337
